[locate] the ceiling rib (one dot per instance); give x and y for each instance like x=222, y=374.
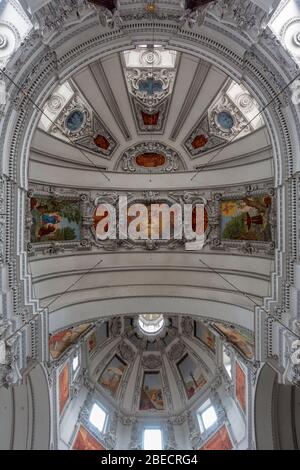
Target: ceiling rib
x=104, y=87
x=198, y=80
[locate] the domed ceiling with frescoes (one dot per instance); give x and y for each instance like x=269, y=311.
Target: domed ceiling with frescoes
x=156, y=366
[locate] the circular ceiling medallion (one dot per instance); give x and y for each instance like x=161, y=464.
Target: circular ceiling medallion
x=150, y=58
x=75, y=120
x=3, y=41
x=290, y=35
x=150, y=160
x=245, y=101
x=296, y=39
x=225, y=120
x=151, y=323
x=9, y=39
x=55, y=103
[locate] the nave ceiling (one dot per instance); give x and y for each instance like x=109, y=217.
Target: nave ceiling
x=158, y=107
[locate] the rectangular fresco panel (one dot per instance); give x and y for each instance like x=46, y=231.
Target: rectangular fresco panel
x=191, y=375
x=240, y=386
x=205, y=335
x=112, y=375
x=151, y=226
x=219, y=441
x=54, y=220
x=242, y=339
x=151, y=393
x=85, y=441
x=246, y=219
x=61, y=341
x=63, y=384
x=92, y=342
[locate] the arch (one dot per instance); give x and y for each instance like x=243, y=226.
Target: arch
x=25, y=413
x=276, y=413
x=43, y=76
x=51, y=64
x=98, y=308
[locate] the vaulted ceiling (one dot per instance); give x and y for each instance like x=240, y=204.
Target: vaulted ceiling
x=181, y=121
x=206, y=145
x=158, y=106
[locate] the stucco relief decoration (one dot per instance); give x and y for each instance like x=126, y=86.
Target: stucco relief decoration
x=56, y=102
x=115, y=326
x=201, y=139
x=291, y=359
x=232, y=115
x=108, y=11
x=187, y=326
x=150, y=75
x=151, y=361
x=290, y=35
x=9, y=40
x=225, y=119
x=194, y=13
x=126, y=352
x=246, y=16
x=241, y=219
x=150, y=156
x=10, y=366
x=53, y=17
x=78, y=122
x=150, y=87
x=2, y=219
x=176, y=351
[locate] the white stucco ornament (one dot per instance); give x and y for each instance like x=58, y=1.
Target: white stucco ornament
x=2, y=352
x=295, y=356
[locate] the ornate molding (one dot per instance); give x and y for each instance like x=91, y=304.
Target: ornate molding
x=261, y=74
x=138, y=79
x=151, y=361
x=171, y=160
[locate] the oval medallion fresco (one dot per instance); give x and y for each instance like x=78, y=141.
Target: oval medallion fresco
x=150, y=86
x=101, y=142
x=75, y=120
x=150, y=160
x=199, y=141
x=225, y=120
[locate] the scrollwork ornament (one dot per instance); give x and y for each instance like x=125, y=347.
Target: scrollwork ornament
x=176, y=352
x=138, y=78
x=115, y=326
x=171, y=160
x=151, y=361
x=187, y=326
x=126, y=352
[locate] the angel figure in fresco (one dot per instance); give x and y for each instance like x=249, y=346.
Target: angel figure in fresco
x=237, y=339
x=112, y=378
x=50, y=223
x=52, y=219
x=59, y=342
